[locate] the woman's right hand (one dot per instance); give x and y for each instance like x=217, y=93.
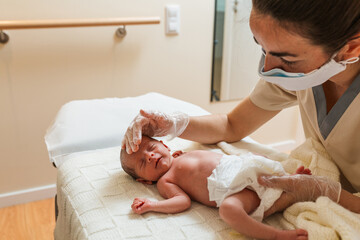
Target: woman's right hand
x=153, y=124
x=303, y=187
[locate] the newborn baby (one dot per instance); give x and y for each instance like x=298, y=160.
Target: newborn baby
x=216, y=180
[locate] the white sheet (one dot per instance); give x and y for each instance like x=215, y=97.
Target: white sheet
x=101, y=123
x=94, y=199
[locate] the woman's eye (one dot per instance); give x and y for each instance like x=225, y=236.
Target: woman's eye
x=287, y=62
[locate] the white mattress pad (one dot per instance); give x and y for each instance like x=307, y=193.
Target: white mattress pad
x=94, y=199
x=95, y=195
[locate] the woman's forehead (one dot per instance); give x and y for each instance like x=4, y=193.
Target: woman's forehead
x=274, y=37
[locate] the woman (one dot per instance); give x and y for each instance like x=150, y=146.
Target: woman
x=310, y=58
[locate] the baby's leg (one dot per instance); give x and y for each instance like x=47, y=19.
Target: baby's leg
x=234, y=211
x=283, y=202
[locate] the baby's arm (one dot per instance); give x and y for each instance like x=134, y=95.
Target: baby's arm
x=177, y=200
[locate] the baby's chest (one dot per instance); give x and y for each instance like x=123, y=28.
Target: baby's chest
x=190, y=173
x=185, y=168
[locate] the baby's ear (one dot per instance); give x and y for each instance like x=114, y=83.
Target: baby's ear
x=165, y=145
x=177, y=153
x=147, y=182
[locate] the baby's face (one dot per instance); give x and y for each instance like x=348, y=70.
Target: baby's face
x=152, y=160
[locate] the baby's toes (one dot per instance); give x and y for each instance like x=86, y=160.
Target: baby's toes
x=301, y=232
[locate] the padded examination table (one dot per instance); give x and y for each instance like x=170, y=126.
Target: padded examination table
x=94, y=198
x=94, y=194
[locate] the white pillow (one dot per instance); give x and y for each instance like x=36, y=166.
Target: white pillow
x=85, y=125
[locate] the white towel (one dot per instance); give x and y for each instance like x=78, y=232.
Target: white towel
x=323, y=219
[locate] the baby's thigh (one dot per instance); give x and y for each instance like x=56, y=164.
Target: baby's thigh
x=246, y=199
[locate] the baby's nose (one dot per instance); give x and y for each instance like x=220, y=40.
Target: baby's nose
x=150, y=157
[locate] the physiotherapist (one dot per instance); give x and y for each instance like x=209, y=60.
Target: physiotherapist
x=310, y=58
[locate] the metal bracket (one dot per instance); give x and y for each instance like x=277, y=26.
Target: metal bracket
x=121, y=32
x=4, y=37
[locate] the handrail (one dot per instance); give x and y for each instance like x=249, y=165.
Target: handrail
x=66, y=23
x=60, y=23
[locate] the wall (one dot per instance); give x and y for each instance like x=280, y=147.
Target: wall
x=40, y=70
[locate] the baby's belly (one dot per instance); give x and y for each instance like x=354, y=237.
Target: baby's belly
x=197, y=190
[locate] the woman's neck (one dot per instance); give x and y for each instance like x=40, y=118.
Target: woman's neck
x=344, y=79
x=336, y=86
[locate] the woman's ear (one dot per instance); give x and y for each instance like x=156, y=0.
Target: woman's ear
x=352, y=49
x=143, y=181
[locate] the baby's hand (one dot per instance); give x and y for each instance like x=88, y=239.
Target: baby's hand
x=141, y=205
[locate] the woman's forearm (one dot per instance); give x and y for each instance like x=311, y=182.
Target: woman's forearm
x=244, y=119
x=349, y=201
x=207, y=129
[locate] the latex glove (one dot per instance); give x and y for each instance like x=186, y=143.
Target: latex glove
x=304, y=187
x=153, y=124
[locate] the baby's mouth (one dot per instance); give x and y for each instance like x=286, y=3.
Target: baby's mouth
x=157, y=161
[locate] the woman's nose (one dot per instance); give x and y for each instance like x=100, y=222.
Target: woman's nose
x=270, y=63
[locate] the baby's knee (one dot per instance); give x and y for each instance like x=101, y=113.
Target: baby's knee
x=228, y=207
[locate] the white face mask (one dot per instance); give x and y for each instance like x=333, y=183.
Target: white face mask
x=302, y=81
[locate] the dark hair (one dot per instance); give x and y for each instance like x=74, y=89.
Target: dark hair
x=123, y=159
x=330, y=24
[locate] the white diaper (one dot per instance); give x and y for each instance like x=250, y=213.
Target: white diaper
x=234, y=173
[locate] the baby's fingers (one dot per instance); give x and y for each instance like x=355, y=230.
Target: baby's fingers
x=301, y=234
x=136, y=206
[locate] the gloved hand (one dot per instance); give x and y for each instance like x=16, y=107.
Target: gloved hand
x=304, y=187
x=153, y=124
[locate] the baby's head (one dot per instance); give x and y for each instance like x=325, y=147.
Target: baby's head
x=149, y=163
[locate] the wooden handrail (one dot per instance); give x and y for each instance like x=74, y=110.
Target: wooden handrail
x=65, y=23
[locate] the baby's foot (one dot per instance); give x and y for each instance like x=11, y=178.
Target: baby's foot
x=297, y=234
x=303, y=170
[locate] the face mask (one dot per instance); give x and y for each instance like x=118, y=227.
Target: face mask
x=302, y=81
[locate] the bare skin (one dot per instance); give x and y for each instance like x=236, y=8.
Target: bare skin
x=182, y=177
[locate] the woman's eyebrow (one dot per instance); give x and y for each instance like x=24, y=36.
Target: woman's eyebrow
x=278, y=54
x=282, y=54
